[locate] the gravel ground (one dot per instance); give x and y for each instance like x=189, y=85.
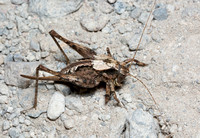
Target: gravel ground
x=170, y=47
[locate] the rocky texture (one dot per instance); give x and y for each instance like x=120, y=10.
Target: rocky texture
x=169, y=46
x=94, y=22
x=13, y=71
x=59, y=9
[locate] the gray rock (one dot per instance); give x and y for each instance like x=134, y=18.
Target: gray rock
x=6, y=125
x=94, y=22
x=63, y=88
x=105, y=7
x=13, y=132
x=133, y=42
x=120, y=7
x=56, y=106
x=14, y=69
x=69, y=123
x=2, y=15
x=10, y=25
x=111, y=1
x=1, y=59
x=27, y=122
x=18, y=57
x=140, y=124
x=1, y=32
x=17, y=2
x=160, y=14
x=143, y=17
x=21, y=119
x=15, y=122
x=1, y=45
x=34, y=45
x=60, y=8
x=3, y=99
x=127, y=97
x=74, y=103
x=135, y=13
x=4, y=89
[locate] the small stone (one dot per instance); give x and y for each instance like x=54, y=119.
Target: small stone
x=15, y=122
x=63, y=88
x=3, y=99
x=127, y=98
x=105, y=7
x=69, y=124
x=173, y=128
x=13, y=132
x=44, y=54
x=1, y=59
x=17, y=2
x=6, y=125
x=74, y=103
x=133, y=42
x=4, y=89
x=30, y=57
x=34, y=46
x=10, y=25
x=56, y=106
x=119, y=7
x=21, y=119
x=41, y=28
x=143, y=17
x=135, y=13
x=94, y=22
x=160, y=14
x=1, y=45
x=18, y=57
x=27, y=122
x=10, y=109
x=61, y=8
x=111, y=1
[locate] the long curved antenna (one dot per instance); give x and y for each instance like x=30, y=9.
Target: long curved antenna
x=142, y=33
x=145, y=87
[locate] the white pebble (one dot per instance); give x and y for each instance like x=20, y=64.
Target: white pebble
x=56, y=106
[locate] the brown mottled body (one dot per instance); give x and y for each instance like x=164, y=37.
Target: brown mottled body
x=87, y=72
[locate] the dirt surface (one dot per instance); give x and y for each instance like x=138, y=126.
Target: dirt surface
x=172, y=52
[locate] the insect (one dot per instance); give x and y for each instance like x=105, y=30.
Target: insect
x=89, y=71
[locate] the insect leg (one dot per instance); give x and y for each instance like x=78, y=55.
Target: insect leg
x=82, y=50
x=139, y=63
x=107, y=96
x=41, y=68
x=67, y=59
x=108, y=52
x=112, y=89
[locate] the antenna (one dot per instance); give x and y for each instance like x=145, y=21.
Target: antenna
x=142, y=33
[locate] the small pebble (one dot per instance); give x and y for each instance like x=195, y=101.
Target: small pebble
x=13, y=132
x=3, y=99
x=143, y=17
x=135, y=13
x=34, y=45
x=160, y=14
x=6, y=125
x=119, y=7
x=15, y=122
x=56, y=106
x=94, y=22
x=69, y=124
